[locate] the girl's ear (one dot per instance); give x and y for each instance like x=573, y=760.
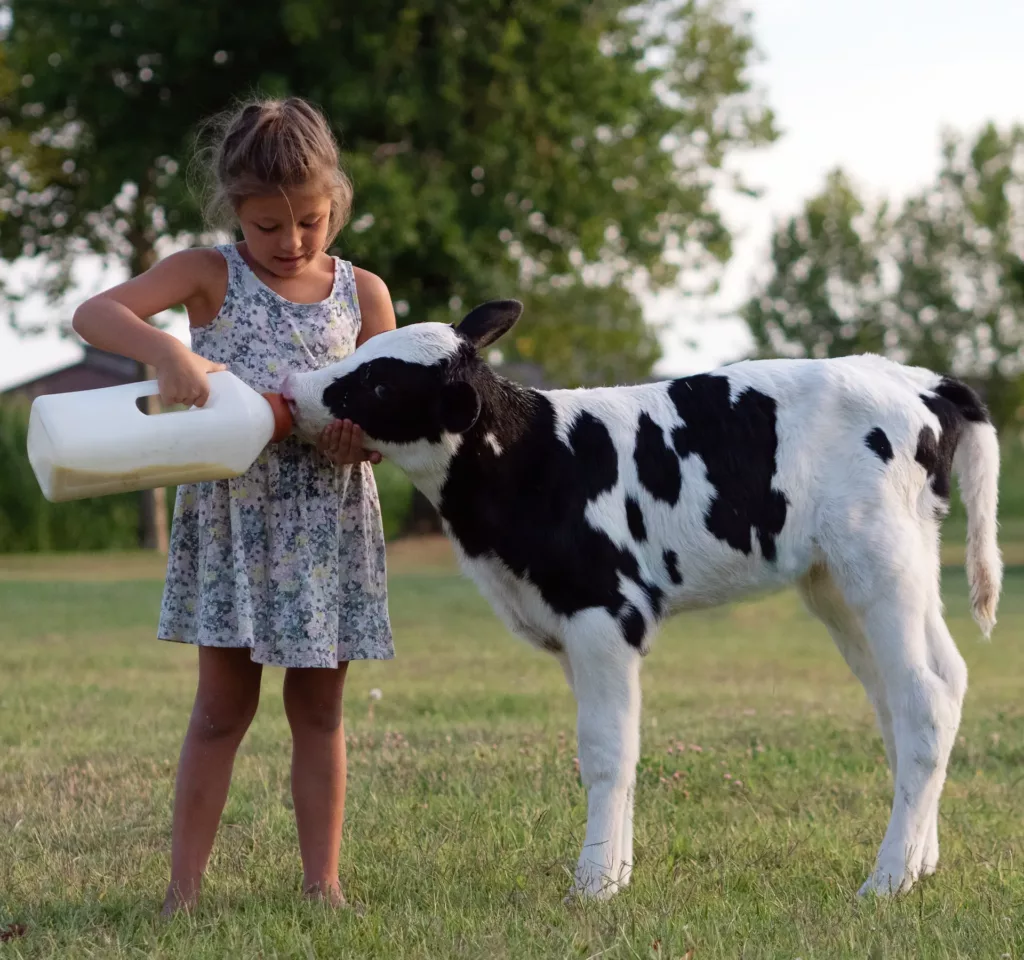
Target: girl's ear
x=460, y=406
x=489, y=322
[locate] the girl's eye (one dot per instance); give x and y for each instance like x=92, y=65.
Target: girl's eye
x=310, y=226
x=265, y=229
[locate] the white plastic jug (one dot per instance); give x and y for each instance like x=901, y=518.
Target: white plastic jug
x=91, y=443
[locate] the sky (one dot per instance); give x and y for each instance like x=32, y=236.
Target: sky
x=868, y=86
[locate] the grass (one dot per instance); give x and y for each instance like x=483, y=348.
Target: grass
x=762, y=789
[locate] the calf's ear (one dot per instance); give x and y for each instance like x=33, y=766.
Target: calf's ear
x=460, y=406
x=489, y=322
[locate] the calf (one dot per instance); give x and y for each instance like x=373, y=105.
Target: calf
x=587, y=516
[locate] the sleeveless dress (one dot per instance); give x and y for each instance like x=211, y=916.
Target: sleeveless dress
x=287, y=559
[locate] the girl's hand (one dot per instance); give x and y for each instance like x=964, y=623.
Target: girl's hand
x=342, y=442
x=182, y=378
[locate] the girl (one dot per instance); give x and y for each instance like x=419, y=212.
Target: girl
x=283, y=566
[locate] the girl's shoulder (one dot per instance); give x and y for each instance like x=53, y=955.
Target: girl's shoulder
x=367, y=281
x=371, y=290
x=207, y=270
x=200, y=258
x=206, y=265
x=377, y=313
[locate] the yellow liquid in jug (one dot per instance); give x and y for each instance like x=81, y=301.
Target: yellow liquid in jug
x=68, y=484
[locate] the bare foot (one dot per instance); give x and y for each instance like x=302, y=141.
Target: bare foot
x=329, y=893
x=175, y=901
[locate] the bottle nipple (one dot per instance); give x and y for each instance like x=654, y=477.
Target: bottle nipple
x=283, y=419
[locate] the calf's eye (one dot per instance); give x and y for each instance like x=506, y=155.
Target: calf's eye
x=379, y=391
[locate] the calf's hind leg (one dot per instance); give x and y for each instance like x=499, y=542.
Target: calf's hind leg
x=888, y=585
x=948, y=665
x=823, y=599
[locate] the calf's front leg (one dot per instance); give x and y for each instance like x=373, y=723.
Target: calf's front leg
x=605, y=677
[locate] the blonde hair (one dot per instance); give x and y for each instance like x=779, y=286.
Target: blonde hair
x=266, y=144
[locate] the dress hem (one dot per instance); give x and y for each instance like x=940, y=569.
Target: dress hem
x=243, y=645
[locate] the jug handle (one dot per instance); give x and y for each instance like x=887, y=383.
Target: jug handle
x=283, y=420
x=142, y=388
x=151, y=388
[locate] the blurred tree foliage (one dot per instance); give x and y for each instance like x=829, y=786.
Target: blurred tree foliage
x=938, y=282
x=825, y=294
x=497, y=146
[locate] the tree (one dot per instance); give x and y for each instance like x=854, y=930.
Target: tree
x=613, y=345
x=939, y=284
x=826, y=292
x=958, y=251
x=496, y=145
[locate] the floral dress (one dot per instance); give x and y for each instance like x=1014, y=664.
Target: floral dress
x=287, y=559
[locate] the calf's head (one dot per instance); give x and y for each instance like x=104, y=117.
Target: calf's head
x=407, y=389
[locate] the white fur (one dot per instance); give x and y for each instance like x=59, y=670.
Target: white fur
x=976, y=463
x=860, y=543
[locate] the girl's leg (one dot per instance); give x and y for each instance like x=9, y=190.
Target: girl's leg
x=226, y=700
x=312, y=702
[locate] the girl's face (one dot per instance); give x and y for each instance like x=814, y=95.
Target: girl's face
x=286, y=231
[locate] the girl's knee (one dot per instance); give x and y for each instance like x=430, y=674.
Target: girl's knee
x=319, y=715
x=228, y=694
x=216, y=719
x=312, y=700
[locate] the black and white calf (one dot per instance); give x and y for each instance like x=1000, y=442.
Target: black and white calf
x=587, y=516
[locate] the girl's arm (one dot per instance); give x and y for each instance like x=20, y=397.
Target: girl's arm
x=342, y=441
x=113, y=320
x=375, y=307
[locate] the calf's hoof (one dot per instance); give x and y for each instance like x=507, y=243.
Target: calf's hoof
x=593, y=885
x=885, y=883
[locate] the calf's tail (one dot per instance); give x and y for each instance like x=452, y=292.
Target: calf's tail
x=976, y=465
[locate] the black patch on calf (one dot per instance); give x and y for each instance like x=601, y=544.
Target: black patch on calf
x=879, y=444
x=738, y=444
x=634, y=627
x=657, y=467
x=936, y=456
x=592, y=444
x=964, y=399
x=672, y=566
x=927, y=454
x=527, y=507
x=635, y=519
x=955, y=405
x=655, y=596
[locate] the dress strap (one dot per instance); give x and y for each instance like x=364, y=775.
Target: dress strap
x=345, y=291
x=236, y=265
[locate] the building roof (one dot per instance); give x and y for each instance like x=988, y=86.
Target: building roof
x=97, y=368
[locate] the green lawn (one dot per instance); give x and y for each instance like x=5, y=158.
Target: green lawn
x=762, y=793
